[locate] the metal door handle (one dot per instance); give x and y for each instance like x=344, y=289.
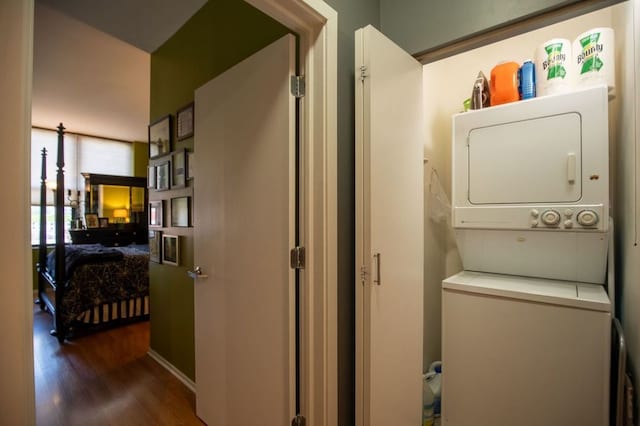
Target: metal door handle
x=377, y=279
x=197, y=273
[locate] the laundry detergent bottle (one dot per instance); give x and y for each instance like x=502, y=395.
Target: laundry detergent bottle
x=434, y=380
x=427, y=401
x=504, y=83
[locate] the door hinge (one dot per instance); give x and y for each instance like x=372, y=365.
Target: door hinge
x=363, y=273
x=297, y=86
x=298, y=421
x=297, y=258
x=363, y=72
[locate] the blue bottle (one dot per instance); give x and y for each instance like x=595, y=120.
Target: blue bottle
x=527, y=80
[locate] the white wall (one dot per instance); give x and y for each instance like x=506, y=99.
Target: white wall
x=92, y=82
x=16, y=304
x=627, y=213
x=446, y=84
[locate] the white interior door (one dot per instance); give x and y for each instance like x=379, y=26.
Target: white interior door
x=389, y=246
x=244, y=227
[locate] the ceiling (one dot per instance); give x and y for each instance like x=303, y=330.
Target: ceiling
x=91, y=65
x=145, y=24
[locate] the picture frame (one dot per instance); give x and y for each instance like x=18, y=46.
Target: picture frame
x=155, y=246
x=163, y=176
x=156, y=215
x=181, y=211
x=171, y=250
x=103, y=222
x=91, y=219
x=178, y=169
x=160, y=132
x=190, y=172
x=151, y=177
x=184, y=122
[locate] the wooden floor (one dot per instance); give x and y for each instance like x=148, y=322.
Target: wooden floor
x=105, y=378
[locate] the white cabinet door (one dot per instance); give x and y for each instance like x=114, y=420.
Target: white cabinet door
x=389, y=240
x=244, y=226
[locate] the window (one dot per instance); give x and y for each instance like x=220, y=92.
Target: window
x=51, y=218
x=81, y=154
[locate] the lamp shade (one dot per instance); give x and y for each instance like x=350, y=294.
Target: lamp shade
x=120, y=213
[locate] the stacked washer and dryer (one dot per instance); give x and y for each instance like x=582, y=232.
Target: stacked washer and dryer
x=527, y=324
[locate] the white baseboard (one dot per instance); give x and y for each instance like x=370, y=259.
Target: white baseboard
x=173, y=370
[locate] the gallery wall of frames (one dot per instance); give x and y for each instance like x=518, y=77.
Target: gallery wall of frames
x=170, y=182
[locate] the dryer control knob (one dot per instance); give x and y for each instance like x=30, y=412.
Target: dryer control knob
x=550, y=217
x=535, y=213
x=568, y=224
x=534, y=223
x=587, y=218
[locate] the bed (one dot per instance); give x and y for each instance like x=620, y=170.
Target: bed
x=87, y=285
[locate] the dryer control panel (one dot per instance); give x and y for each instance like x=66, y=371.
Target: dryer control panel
x=565, y=217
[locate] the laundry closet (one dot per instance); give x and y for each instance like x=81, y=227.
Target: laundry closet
x=429, y=205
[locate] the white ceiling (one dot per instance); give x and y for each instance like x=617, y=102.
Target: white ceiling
x=145, y=24
x=92, y=82
x=91, y=62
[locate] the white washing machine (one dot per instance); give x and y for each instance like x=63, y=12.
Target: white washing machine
x=524, y=351
x=530, y=197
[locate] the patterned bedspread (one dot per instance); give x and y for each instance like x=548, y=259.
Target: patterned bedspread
x=114, y=274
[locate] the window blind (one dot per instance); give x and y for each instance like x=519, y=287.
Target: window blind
x=81, y=154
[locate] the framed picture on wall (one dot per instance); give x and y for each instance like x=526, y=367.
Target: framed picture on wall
x=179, y=169
x=155, y=246
x=160, y=132
x=190, y=172
x=155, y=214
x=184, y=119
x=171, y=250
x=181, y=211
x=151, y=177
x=162, y=176
x=91, y=219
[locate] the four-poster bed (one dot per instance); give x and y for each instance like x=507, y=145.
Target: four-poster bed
x=92, y=284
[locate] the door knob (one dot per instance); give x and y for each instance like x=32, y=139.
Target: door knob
x=197, y=273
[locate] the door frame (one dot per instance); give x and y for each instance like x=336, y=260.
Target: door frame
x=17, y=405
x=317, y=27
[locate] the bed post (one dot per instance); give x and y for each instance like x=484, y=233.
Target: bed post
x=42, y=247
x=60, y=278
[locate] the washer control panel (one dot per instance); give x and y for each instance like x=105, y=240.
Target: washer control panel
x=568, y=219
x=549, y=217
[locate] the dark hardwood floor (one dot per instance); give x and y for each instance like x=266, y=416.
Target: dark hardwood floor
x=105, y=378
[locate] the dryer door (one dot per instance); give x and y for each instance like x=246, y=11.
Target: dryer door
x=528, y=161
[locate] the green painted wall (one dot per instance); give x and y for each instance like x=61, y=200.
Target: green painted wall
x=140, y=158
x=218, y=36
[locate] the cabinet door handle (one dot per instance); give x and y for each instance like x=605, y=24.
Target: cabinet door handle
x=377, y=278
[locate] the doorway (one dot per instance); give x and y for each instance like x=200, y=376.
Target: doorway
x=317, y=25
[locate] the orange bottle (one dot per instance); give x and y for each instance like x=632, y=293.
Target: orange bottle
x=504, y=83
